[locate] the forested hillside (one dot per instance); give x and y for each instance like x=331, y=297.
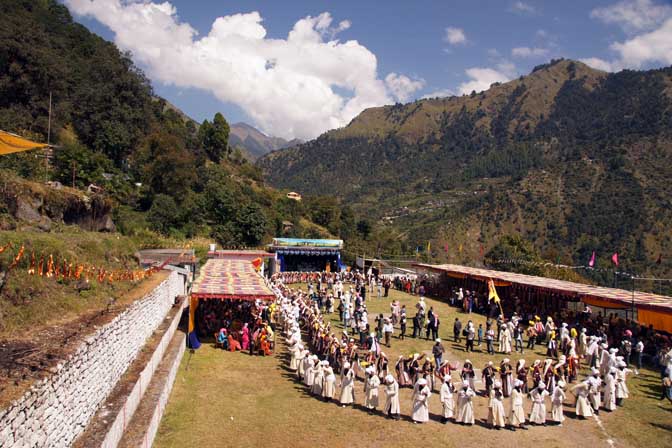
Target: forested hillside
x=571, y=158
x=162, y=173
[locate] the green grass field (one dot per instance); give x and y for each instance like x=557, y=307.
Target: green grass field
x=232, y=399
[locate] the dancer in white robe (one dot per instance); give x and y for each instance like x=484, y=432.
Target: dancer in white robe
x=293, y=354
x=301, y=363
x=595, y=383
x=609, y=387
x=557, y=400
x=329, y=382
x=392, y=408
x=517, y=419
x=371, y=389
x=446, y=397
x=347, y=385
x=421, y=393
x=622, y=390
x=583, y=408
x=496, y=414
x=309, y=374
x=505, y=340
x=538, y=413
x=465, y=406
x=318, y=377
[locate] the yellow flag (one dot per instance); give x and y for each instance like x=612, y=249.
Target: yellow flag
x=429, y=246
x=460, y=248
x=492, y=292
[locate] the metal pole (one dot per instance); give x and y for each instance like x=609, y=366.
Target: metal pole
x=46, y=158
x=633, y=298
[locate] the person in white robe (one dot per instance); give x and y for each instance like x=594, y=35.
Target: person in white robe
x=309, y=374
x=622, y=390
x=446, y=397
x=582, y=392
x=301, y=363
x=583, y=343
x=392, y=408
x=505, y=340
x=421, y=394
x=538, y=413
x=347, y=385
x=496, y=414
x=595, y=383
x=517, y=419
x=294, y=350
x=465, y=405
x=371, y=389
x=329, y=382
x=557, y=400
x=609, y=387
x=318, y=377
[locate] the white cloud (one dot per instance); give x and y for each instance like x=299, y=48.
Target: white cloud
x=655, y=46
x=482, y=78
x=527, y=52
x=522, y=7
x=441, y=93
x=299, y=86
x=633, y=15
x=455, y=36
x=641, y=50
x=599, y=64
x=403, y=87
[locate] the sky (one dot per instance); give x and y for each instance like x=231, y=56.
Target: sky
x=297, y=68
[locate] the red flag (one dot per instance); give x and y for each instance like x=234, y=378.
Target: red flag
x=445, y=247
x=257, y=263
x=481, y=251
x=660, y=259
x=614, y=258
x=591, y=263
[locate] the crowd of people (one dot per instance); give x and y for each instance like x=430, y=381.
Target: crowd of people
x=325, y=361
x=238, y=325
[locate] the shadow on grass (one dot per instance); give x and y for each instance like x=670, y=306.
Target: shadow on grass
x=662, y=426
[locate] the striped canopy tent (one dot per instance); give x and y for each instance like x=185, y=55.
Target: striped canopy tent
x=652, y=309
x=11, y=143
x=227, y=279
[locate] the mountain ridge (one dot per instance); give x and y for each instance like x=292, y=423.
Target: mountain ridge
x=565, y=156
x=256, y=143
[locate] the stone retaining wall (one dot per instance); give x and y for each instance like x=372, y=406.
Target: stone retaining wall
x=123, y=417
x=155, y=422
x=56, y=410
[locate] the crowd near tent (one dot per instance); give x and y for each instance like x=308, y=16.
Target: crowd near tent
x=229, y=277
x=646, y=308
x=307, y=255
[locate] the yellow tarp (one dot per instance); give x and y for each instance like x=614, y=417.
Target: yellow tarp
x=10, y=143
x=659, y=320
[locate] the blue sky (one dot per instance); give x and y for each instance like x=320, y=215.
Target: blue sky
x=406, y=50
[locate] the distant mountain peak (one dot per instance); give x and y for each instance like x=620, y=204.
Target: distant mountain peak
x=256, y=143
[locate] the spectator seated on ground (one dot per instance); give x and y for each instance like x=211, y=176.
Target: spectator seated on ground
x=222, y=339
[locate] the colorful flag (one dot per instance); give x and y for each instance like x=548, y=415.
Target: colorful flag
x=429, y=246
x=492, y=292
x=460, y=248
x=481, y=251
x=614, y=258
x=660, y=259
x=591, y=263
x=257, y=263
x=445, y=247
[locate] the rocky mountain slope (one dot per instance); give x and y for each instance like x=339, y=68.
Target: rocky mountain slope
x=572, y=158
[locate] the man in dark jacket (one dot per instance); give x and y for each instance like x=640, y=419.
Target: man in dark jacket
x=457, y=329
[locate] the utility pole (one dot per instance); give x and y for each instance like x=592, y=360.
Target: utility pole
x=46, y=158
